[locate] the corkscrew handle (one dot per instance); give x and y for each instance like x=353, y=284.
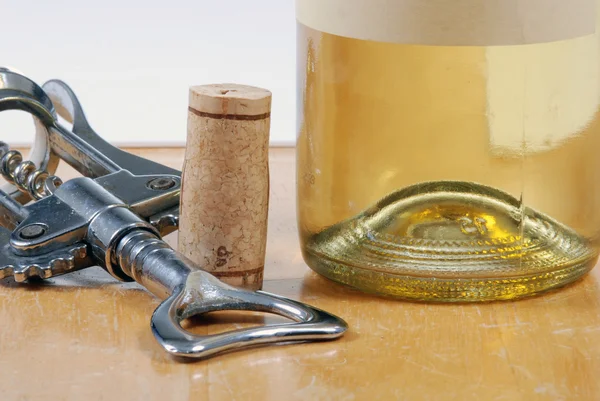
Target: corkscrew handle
x=190, y=291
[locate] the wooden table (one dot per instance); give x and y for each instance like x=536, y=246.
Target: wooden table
x=86, y=337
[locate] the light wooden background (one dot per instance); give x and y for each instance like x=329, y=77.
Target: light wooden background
x=86, y=337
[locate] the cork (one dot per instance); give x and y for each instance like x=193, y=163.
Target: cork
x=225, y=190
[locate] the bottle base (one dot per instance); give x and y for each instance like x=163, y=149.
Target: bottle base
x=450, y=241
x=433, y=289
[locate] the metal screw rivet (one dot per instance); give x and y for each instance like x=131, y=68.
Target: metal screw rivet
x=161, y=184
x=32, y=231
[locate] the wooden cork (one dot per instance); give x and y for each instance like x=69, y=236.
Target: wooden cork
x=225, y=190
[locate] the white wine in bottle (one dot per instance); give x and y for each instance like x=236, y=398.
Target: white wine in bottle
x=448, y=149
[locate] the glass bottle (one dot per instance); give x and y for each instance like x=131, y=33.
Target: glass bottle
x=448, y=150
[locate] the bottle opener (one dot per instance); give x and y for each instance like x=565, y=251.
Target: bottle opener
x=115, y=216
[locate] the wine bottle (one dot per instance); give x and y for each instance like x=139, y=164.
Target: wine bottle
x=448, y=149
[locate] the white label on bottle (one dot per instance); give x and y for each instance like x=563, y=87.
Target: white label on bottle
x=451, y=22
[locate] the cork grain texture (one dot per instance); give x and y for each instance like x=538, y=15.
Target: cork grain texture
x=225, y=192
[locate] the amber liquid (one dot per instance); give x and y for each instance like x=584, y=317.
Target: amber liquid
x=448, y=173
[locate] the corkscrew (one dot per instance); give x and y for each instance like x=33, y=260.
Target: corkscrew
x=115, y=216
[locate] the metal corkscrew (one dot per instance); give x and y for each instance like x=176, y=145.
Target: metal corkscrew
x=115, y=216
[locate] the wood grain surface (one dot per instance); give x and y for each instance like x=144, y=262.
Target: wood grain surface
x=84, y=336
